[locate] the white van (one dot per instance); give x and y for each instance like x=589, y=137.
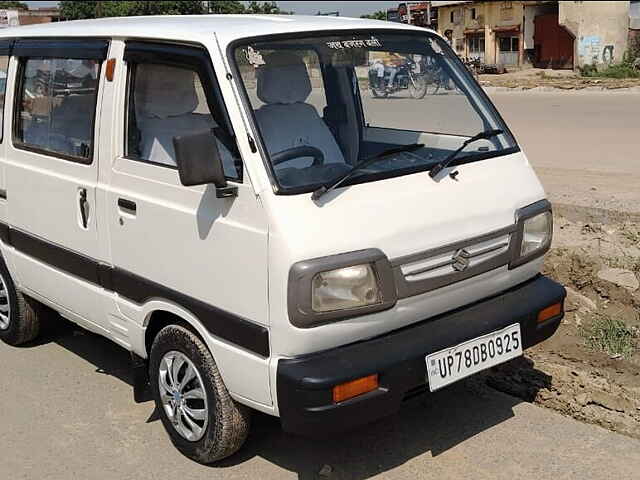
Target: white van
x=312, y=217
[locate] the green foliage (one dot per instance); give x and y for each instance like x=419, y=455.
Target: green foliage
x=624, y=69
x=226, y=7
x=13, y=6
x=611, y=336
x=379, y=15
x=81, y=10
x=77, y=10
x=263, y=8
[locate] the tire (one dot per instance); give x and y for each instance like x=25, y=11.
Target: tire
x=418, y=87
x=223, y=429
x=19, y=319
x=377, y=93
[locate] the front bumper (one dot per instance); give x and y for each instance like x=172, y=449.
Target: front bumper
x=305, y=384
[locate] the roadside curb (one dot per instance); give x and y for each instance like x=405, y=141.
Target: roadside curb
x=579, y=213
x=576, y=90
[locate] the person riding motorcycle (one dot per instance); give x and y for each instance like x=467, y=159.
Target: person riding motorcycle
x=390, y=63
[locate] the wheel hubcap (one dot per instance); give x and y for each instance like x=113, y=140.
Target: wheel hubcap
x=5, y=307
x=183, y=396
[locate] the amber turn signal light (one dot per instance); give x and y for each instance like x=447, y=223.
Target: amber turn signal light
x=111, y=68
x=352, y=389
x=550, y=312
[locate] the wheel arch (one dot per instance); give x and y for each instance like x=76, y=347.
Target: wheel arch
x=245, y=374
x=159, y=314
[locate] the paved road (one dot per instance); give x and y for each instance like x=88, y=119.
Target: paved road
x=68, y=413
x=584, y=146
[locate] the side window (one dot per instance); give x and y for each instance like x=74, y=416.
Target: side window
x=4, y=69
x=165, y=102
x=57, y=106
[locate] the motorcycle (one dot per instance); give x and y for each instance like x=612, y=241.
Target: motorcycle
x=408, y=77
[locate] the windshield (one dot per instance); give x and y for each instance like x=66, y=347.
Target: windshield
x=325, y=103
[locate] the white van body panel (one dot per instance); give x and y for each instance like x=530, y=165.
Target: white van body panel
x=400, y=216
x=44, y=193
x=213, y=250
x=246, y=375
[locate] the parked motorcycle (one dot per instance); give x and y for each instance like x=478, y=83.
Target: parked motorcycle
x=409, y=77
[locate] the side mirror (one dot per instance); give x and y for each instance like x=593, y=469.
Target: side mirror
x=199, y=162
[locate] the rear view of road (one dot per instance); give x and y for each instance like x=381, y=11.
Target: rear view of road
x=584, y=146
x=68, y=413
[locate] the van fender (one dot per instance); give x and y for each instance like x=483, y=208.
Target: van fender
x=245, y=374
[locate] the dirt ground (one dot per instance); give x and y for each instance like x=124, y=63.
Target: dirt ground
x=561, y=79
x=600, y=266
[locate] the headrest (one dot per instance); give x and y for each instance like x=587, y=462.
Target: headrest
x=163, y=91
x=283, y=79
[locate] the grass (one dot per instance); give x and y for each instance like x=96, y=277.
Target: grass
x=624, y=69
x=611, y=336
x=631, y=235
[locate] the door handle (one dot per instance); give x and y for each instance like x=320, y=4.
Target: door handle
x=83, y=204
x=127, y=206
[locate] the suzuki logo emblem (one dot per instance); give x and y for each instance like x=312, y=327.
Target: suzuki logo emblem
x=460, y=260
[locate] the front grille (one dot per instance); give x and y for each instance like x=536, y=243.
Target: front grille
x=442, y=266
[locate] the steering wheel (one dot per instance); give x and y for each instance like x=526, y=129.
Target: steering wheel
x=299, y=152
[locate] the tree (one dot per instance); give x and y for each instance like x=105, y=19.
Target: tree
x=77, y=10
x=81, y=10
x=263, y=8
x=379, y=15
x=13, y=6
x=226, y=7
x=166, y=8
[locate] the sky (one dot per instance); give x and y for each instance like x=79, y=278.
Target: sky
x=346, y=9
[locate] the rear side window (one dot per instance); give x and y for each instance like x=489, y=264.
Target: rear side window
x=57, y=106
x=4, y=68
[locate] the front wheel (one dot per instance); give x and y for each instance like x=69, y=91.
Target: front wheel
x=202, y=420
x=418, y=86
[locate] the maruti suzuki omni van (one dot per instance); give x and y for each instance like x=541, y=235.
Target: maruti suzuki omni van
x=312, y=217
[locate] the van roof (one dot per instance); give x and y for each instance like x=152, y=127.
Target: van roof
x=197, y=27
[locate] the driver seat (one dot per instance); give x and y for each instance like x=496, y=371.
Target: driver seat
x=285, y=120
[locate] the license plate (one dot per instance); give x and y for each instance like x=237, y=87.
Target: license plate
x=455, y=363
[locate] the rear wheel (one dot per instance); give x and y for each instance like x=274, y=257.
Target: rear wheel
x=378, y=92
x=19, y=322
x=201, y=418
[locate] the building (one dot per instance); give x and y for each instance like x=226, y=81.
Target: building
x=634, y=28
x=39, y=15
x=15, y=18
x=546, y=34
x=601, y=30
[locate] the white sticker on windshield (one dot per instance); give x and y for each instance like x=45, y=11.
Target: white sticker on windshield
x=342, y=44
x=254, y=57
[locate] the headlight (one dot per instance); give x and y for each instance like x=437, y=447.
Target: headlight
x=534, y=229
x=537, y=233
x=349, y=287
x=338, y=287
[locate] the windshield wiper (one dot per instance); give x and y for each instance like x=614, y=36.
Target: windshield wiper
x=364, y=163
x=447, y=161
